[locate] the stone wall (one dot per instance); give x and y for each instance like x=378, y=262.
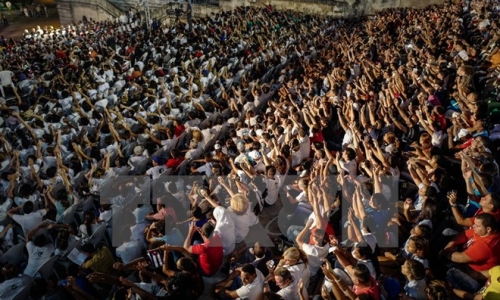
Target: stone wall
x=73, y=10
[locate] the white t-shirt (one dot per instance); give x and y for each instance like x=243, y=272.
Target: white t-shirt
x=30, y=221
x=305, y=146
x=437, y=138
x=155, y=172
x=13, y=288
x=225, y=228
x=348, y=138
x=273, y=186
x=252, y=291
x=351, y=167
x=299, y=271
x=37, y=256
x=290, y=292
x=315, y=254
x=241, y=224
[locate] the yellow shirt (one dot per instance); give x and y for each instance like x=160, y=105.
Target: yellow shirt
x=102, y=261
x=492, y=292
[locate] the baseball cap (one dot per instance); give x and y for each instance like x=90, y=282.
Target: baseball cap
x=255, y=155
x=217, y=147
x=138, y=150
x=158, y=160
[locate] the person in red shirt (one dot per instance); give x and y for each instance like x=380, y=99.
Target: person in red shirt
x=60, y=53
x=210, y=253
x=489, y=204
x=179, y=128
x=362, y=282
x=481, y=250
x=175, y=159
x=437, y=115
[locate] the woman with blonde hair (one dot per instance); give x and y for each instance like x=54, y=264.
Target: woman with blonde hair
x=295, y=260
x=198, y=137
x=238, y=210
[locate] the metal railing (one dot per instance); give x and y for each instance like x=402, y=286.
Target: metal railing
x=104, y=5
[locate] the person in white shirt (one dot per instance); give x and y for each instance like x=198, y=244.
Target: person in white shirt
x=289, y=289
x=158, y=167
x=40, y=249
x=252, y=280
x=29, y=219
x=315, y=252
x=348, y=162
x=138, y=158
x=15, y=285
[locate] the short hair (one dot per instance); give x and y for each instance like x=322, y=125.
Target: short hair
x=362, y=273
x=380, y=199
x=495, y=200
x=488, y=220
x=283, y=273
x=249, y=268
x=259, y=251
x=351, y=154
x=40, y=240
x=28, y=207
x=207, y=229
x=416, y=269
x=88, y=248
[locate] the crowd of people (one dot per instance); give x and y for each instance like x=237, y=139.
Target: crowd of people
x=137, y=164
x=34, y=10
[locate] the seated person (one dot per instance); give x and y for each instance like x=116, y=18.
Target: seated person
x=415, y=287
x=248, y=283
x=15, y=285
x=289, y=289
x=98, y=260
x=362, y=282
x=481, y=252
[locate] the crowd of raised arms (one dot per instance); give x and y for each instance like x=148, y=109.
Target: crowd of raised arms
x=145, y=164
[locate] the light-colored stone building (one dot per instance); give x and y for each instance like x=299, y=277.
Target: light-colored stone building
x=73, y=10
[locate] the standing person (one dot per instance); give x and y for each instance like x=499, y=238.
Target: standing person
x=45, y=11
x=38, y=11
x=189, y=13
